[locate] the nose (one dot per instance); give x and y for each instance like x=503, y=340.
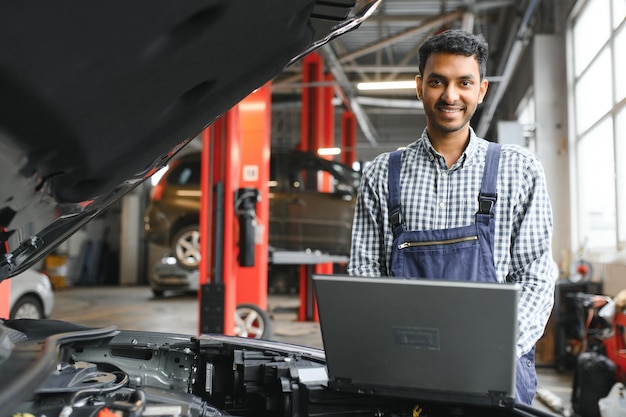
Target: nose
x=450, y=94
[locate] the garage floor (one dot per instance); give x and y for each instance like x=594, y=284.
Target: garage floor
x=135, y=308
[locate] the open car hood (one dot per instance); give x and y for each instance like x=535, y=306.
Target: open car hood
x=96, y=96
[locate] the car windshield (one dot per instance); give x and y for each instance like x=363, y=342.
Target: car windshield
x=301, y=171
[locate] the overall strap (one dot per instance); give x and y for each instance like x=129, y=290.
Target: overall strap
x=393, y=184
x=488, y=195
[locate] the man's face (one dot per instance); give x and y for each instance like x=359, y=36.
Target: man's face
x=451, y=90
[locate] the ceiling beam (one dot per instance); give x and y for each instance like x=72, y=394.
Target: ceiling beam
x=349, y=93
x=430, y=24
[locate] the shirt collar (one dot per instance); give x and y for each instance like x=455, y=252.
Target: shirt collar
x=468, y=156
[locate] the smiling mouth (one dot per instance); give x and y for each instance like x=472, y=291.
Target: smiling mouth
x=449, y=110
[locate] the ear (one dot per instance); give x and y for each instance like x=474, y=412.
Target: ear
x=418, y=86
x=484, y=85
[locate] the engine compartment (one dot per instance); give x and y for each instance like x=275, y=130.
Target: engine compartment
x=132, y=373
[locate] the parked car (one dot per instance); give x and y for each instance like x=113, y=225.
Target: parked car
x=167, y=275
x=31, y=296
x=97, y=96
x=301, y=217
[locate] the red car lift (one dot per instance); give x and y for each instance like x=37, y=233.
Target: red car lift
x=235, y=167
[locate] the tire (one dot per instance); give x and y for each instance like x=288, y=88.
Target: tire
x=283, y=279
x=186, y=247
x=27, y=307
x=158, y=293
x=252, y=322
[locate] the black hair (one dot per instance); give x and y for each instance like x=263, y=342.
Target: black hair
x=456, y=41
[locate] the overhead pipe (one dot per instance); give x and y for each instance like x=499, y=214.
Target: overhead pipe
x=510, y=64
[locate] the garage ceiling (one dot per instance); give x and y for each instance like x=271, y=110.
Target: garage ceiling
x=384, y=48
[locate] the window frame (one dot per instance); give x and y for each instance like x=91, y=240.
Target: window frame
x=575, y=137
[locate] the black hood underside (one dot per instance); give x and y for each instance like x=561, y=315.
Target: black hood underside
x=96, y=96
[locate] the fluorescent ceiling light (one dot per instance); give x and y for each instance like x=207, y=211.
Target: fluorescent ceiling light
x=328, y=151
x=386, y=85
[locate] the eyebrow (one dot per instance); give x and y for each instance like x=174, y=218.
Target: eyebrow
x=441, y=76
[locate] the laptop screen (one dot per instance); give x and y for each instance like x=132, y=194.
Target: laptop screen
x=424, y=339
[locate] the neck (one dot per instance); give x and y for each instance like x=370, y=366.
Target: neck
x=451, y=145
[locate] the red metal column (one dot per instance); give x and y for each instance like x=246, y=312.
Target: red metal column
x=312, y=126
x=220, y=176
x=235, y=155
x=255, y=113
x=206, y=208
x=5, y=286
x=327, y=140
x=312, y=131
x=348, y=138
x=318, y=131
x=5, y=304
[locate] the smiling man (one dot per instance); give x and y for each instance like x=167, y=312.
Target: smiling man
x=454, y=206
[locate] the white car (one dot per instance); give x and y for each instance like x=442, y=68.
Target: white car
x=31, y=296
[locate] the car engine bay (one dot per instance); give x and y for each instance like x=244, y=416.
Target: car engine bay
x=107, y=373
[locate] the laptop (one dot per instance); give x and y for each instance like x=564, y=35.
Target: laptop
x=428, y=340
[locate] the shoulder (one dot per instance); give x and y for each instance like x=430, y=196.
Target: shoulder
x=381, y=161
x=376, y=169
x=520, y=159
x=511, y=156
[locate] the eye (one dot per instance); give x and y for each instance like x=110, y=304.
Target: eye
x=435, y=83
x=467, y=83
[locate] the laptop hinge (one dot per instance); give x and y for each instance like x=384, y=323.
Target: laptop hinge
x=501, y=399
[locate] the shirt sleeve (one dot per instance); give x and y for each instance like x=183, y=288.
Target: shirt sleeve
x=532, y=265
x=367, y=254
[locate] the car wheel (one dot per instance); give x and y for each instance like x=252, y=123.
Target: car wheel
x=27, y=307
x=253, y=322
x=158, y=293
x=186, y=247
x=283, y=280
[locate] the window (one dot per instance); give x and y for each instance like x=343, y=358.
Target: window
x=300, y=172
x=620, y=65
x=596, y=186
x=620, y=151
x=186, y=173
x=619, y=11
x=594, y=92
x=591, y=31
x=598, y=39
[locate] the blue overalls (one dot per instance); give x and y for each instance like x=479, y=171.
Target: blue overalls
x=460, y=253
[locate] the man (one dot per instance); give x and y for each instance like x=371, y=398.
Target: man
x=453, y=206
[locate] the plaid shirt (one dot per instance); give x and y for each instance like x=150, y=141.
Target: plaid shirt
x=435, y=197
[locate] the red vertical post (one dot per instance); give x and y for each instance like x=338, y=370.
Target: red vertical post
x=232, y=143
x=312, y=110
x=326, y=141
x=5, y=303
x=256, y=122
x=5, y=286
x=348, y=138
x=206, y=208
x=328, y=121
x=312, y=132
x=221, y=153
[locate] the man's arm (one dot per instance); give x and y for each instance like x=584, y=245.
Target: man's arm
x=532, y=265
x=367, y=255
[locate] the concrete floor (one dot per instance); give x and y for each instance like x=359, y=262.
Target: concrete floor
x=135, y=308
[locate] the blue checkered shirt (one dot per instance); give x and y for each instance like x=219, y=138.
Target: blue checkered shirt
x=435, y=197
